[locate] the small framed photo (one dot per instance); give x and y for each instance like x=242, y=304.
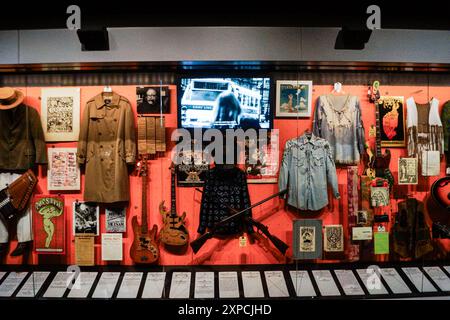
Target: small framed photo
x=116, y=219
x=60, y=114
x=86, y=218
x=364, y=218
x=408, y=171
x=293, y=99
x=153, y=99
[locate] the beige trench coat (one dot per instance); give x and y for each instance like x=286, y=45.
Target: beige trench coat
x=106, y=145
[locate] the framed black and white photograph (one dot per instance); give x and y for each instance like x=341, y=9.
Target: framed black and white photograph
x=60, y=114
x=116, y=219
x=153, y=99
x=307, y=242
x=293, y=99
x=86, y=218
x=363, y=218
x=408, y=171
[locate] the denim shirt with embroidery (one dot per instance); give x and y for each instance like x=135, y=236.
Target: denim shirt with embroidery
x=337, y=119
x=306, y=170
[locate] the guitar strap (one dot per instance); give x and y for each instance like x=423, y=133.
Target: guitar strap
x=353, y=200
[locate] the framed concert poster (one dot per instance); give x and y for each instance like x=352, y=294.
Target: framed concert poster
x=49, y=224
x=60, y=114
x=85, y=218
x=392, y=121
x=192, y=169
x=293, y=99
x=334, y=238
x=116, y=219
x=63, y=172
x=307, y=239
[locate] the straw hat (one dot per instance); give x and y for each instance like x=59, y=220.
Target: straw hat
x=10, y=98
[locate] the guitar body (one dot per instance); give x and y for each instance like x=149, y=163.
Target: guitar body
x=144, y=248
x=173, y=232
x=381, y=163
x=440, y=191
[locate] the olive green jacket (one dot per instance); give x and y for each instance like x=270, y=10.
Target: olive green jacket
x=22, y=142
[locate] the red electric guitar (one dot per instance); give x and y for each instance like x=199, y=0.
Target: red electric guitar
x=144, y=248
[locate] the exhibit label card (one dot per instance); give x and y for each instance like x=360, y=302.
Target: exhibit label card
x=372, y=282
x=252, y=283
x=361, y=233
x=204, y=285
x=439, y=277
x=394, y=281
x=2, y=274
x=447, y=268
x=83, y=285
x=59, y=285
x=180, y=287
x=325, y=282
x=302, y=284
x=11, y=283
x=349, y=283
x=419, y=280
x=112, y=247
x=154, y=285
x=33, y=284
x=106, y=285
x=84, y=250
x=276, y=284
x=228, y=285
x=130, y=285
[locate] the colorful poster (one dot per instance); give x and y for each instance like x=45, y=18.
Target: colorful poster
x=381, y=242
x=49, y=224
x=392, y=122
x=63, y=172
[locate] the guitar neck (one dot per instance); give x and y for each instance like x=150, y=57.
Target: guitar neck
x=144, y=200
x=378, y=128
x=173, y=208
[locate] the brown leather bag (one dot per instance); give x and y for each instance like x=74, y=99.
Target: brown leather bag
x=15, y=197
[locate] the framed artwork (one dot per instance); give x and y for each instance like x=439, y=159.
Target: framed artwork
x=293, y=99
x=364, y=218
x=392, y=121
x=85, y=218
x=116, y=220
x=408, y=171
x=153, y=99
x=63, y=172
x=307, y=239
x=192, y=169
x=49, y=224
x=60, y=114
x=261, y=164
x=334, y=238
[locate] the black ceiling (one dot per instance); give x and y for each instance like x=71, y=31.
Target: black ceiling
x=429, y=14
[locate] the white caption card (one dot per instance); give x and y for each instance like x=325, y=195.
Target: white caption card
x=349, y=283
x=2, y=274
x=106, y=285
x=302, y=283
x=59, y=285
x=372, y=282
x=204, y=285
x=112, y=247
x=180, y=288
x=252, y=283
x=33, y=284
x=325, y=282
x=276, y=284
x=154, y=285
x=447, y=268
x=394, y=281
x=439, y=277
x=83, y=285
x=228, y=285
x=11, y=283
x=130, y=285
x=419, y=280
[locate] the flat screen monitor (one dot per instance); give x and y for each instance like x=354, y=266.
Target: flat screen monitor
x=225, y=103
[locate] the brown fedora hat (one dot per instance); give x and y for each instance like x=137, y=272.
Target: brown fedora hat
x=10, y=98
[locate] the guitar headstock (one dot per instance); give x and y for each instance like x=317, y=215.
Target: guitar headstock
x=141, y=167
x=374, y=92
